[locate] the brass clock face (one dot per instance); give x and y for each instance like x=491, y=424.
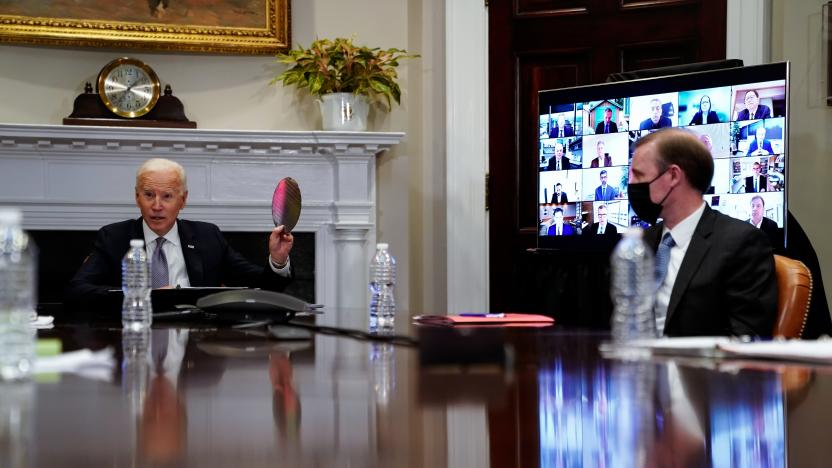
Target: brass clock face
x=128, y=87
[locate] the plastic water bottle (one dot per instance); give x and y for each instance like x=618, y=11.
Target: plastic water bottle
x=136, y=310
x=382, y=284
x=18, y=264
x=633, y=288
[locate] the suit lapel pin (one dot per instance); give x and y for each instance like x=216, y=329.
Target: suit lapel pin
x=190, y=246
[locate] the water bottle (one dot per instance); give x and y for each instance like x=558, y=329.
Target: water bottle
x=382, y=283
x=18, y=265
x=633, y=288
x=136, y=310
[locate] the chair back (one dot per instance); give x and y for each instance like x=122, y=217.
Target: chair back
x=794, y=286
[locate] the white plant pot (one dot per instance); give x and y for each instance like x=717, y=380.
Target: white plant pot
x=344, y=112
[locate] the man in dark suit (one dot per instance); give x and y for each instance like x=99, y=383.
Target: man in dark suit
x=182, y=253
x=767, y=225
x=757, y=182
x=605, y=192
x=753, y=108
x=607, y=126
x=656, y=119
x=559, y=197
x=602, y=159
x=602, y=227
x=558, y=162
x=558, y=228
x=759, y=145
x=563, y=129
x=715, y=274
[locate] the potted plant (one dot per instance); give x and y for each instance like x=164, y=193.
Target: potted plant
x=346, y=78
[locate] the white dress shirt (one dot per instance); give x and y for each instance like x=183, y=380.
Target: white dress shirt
x=682, y=234
x=177, y=270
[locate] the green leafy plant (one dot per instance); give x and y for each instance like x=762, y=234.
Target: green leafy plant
x=339, y=66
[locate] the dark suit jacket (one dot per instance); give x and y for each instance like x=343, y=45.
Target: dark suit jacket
x=726, y=283
x=600, y=127
x=567, y=131
x=697, y=118
x=567, y=230
x=753, y=147
x=749, y=184
x=763, y=112
x=563, y=198
x=772, y=231
x=607, y=162
x=610, y=231
x=649, y=125
x=564, y=164
x=210, y=262
x=610, y=193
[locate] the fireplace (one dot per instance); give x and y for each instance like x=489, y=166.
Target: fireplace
x=70, y=181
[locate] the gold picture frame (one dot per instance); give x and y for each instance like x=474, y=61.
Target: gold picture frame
x=243, y=27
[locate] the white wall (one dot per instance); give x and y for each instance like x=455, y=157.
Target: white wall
x=38, y=85
x=797, y=36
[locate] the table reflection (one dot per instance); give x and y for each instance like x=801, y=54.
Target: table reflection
x=218, y=397
x=634, y=414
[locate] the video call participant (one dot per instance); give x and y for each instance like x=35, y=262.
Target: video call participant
x=715, y=274
x=607, y=126
x=602, y=159
x=563, y=129
x=656, y=120
x=605, y=192
x=558, y=162
x=558, y=228
x=704, y=115
x=768, y=226
x=753, y=108
x=757, y=182
x=602, y=227
x=182, y=253
x=559, y=197
x=759, y=145
x=706, y=140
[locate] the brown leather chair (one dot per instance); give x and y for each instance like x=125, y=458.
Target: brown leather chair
x=794, y=286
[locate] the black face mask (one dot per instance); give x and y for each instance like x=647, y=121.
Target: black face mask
x=639, y=194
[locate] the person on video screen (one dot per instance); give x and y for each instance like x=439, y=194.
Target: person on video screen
x=602, y=159
x=705, y=115
x=607, y=126
x=714, y=273
x=559, y=197
x=767, y=225
x=563, y=129
x=759, y=145
x=656, y=119
x=558, y=162
x=605, y=192
x=757, y=182
x=602, y=227
x=753, y=108
x=558, y=228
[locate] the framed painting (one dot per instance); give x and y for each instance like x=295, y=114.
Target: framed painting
x=245, y=27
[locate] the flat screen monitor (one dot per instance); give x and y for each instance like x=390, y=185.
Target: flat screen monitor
x=587, y=135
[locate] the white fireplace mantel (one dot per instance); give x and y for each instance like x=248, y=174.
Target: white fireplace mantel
x=81, y=178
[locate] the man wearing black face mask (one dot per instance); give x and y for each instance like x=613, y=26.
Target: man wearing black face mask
x=714, y=273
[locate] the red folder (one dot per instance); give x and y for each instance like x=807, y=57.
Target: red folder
x=506, y=320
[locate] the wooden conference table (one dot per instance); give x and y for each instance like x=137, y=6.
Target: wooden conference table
x=474, y=397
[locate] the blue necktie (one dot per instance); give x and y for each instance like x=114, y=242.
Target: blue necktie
x=663, y=257
x=606, y=128
x=159, y=266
